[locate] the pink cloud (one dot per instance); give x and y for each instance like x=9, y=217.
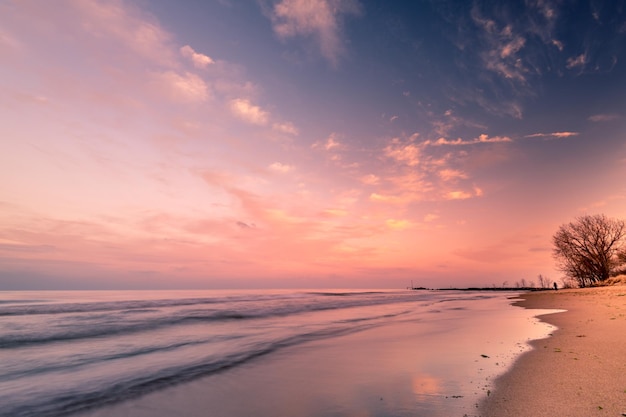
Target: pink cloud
x=458, y=195
x=319, y=19
x=406, y=153
x=286, y=127
x=383, y=197
x=335, y=213
x=199, y=60
x=249, y=112
x=330, y=143
x=483, y=138
x=280, y=168
x=185, y=87
x=556, y=135
x=396, y=224
x=451, y=174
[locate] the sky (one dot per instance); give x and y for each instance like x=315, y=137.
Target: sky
x=304, y=143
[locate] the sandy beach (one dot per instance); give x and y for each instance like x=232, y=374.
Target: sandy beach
x=580, y=370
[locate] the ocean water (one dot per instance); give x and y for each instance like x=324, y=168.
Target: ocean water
x=65, y=353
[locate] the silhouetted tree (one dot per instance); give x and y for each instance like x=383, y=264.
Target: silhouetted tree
x=544, y=282
x=587, y=248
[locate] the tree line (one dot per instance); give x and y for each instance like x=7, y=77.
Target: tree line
x=591, y=249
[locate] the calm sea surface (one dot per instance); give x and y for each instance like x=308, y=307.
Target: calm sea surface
x=68, y=352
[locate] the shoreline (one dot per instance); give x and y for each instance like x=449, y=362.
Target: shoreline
x=580, y=370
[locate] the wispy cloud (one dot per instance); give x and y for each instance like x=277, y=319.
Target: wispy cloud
x=458, y=195
x=286, y=127
x=332, y=142
x=280, y=168
x=249, y=112
x=320, y=19
x=444, y=125
x=449, y=174
x=464, y=194
x=406, y=153
x=503, y=46
x=484, y=138
x=558, y=44
x=126, y=23
x=546, y=8
x=501, y=106
x=334, y=213
x=185, y=87
x=198, y=60
x=604, y=117
x=554, y=135
x=401, y=224
x=577, y=61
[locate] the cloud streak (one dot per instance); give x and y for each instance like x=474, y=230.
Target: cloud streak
x=604, y=117
x=554, y=135
x=483, y=138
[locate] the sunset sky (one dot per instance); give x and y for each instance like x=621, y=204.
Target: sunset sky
x=303, y=143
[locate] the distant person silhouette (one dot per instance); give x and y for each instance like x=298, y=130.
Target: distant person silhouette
x=555, y=286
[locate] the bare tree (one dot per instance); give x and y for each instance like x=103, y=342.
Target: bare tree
x=587, y=248
x=544, y=282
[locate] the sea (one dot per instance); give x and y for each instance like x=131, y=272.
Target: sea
x=263, y=353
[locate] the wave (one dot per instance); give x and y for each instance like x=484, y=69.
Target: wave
x=20, y=301
x=65, y=308
x=101, y=330
x=85, y=326
x=344, y=294
x=73, y=401
x=38, y=307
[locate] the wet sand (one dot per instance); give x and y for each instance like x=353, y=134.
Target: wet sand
x=580, y=370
